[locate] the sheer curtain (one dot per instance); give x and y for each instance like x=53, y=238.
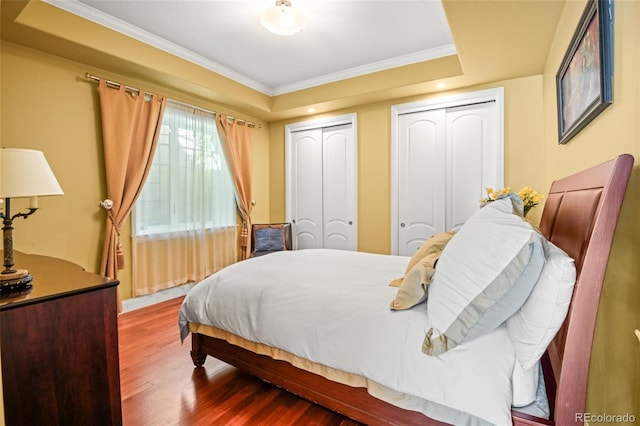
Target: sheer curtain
x=185, y=219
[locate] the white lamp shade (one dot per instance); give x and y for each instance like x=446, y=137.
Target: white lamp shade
x=26, y=173
x=283, y=19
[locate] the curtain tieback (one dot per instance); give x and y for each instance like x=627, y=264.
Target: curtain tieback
x=244, y=234
x=108, y=205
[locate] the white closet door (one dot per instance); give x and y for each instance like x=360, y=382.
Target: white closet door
x=421, y=186
x=339, y=188
x=445, y=152
x=472, y=159
x=322, y=187
x=306, y=183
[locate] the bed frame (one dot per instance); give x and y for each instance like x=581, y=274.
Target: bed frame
x=580, y=216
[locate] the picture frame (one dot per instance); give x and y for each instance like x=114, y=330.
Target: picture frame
x=584, y=82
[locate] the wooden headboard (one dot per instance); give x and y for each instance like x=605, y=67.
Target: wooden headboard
x=580, y=216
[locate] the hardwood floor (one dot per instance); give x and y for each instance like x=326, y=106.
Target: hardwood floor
x=160, y=385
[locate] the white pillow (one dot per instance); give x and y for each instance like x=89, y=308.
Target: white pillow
x=536, y=323
x=525, y=385
x=483, y=276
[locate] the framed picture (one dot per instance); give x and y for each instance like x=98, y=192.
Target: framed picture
x=584, y=83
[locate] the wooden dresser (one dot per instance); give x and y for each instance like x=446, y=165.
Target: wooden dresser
x=59, y=347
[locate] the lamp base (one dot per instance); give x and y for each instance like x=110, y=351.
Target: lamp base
x=15, y=283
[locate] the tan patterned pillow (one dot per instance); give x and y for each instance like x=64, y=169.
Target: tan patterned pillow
x=435, y=244
x=413, y=288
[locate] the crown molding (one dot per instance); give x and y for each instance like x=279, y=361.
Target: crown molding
x=87, y=12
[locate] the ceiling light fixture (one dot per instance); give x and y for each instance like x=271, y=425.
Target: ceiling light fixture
x=283, y=19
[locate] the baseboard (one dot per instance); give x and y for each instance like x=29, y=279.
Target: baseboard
x=157, y=297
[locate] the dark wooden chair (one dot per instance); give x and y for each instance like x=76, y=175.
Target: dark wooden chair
x=269, y=238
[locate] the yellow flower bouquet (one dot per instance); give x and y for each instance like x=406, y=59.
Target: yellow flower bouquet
x=529, y=196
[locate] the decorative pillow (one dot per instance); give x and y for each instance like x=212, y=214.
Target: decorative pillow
x=413, y=288
x=516, y=203
x=485, y=274
x=434, y=244
x=267, y=239
x=524, y=385
x=536, y=323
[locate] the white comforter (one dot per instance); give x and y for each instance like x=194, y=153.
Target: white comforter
x=332, y=307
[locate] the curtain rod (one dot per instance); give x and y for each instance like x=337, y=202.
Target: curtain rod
x=133, y=90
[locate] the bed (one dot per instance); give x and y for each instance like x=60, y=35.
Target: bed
x=473, y=376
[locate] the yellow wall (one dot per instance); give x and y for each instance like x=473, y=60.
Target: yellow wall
x=523, y=134
x=614, y=375
x=48, y=105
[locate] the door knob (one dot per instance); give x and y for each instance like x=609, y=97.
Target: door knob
x=350, y=223
x=402, y=225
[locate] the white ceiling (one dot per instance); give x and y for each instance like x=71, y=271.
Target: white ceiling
x=342, y=38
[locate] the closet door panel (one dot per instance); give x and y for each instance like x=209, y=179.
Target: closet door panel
x=306, y=182
x=470, y=133
x=321, y=183
x=338, y=188
x=445, y=152
x=421, y=193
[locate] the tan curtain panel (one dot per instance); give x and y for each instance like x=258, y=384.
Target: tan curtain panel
x=236, y=142
x=130, y=130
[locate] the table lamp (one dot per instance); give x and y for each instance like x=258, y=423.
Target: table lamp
x=24, y=173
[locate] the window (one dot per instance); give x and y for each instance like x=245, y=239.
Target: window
x=189, y=186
